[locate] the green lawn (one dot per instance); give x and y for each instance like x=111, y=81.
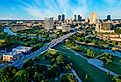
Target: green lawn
x=117, y=59
x=116, y=68
x=82, y=67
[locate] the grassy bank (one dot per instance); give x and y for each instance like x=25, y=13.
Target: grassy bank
x=85, y=71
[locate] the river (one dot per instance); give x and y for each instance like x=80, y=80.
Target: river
x=8, y=31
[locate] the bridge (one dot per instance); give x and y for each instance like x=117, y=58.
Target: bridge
x=54, y=42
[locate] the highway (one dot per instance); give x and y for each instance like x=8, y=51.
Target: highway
x=54, y=42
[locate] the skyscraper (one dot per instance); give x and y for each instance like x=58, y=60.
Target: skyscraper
x=63, y=17
x=75, y=18
x=79, y=18
x=93, y=18
x=59, y=17
x=48, y=23
x=108, y=17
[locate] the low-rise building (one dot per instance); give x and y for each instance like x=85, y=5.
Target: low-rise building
x=7, y=57
x=112, y=37
x=20, y=49
x=117, y=48
x=104, y=27
x=58, y=27
x=116, y=39
x=66, y=28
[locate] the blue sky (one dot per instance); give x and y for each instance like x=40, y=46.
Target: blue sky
x=39, y=9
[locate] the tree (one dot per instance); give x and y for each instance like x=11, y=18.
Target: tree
x=78, y=39
x=116, y=79
x=118, y=31
x=86, y=76
x=51, y=54
x=77, y=48
x=107, y=58
x=90, y=53
x=68, y=66
x=72, y=78
x=59, y=59
x=38, y=77
x=53, y=70
x=28, y=63
x=68, y=78
x=21, y=76
x=7, y=73
x=64, y=78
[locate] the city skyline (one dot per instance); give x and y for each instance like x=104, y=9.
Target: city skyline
x=39, y=9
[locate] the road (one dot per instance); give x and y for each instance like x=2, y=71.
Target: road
x=54, y=42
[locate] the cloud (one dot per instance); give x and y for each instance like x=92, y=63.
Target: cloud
x=39, y=9
x=53, y=8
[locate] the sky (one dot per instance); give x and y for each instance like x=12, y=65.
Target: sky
x=39, y=9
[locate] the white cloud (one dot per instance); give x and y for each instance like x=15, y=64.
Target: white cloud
x=55, y=7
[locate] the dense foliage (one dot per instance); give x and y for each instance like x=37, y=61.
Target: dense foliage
x=34, y=71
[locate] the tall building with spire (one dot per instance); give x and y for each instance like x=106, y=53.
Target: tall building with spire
x=93, y=18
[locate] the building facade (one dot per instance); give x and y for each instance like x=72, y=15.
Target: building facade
x=7, y=57
x=93, y=18
x=49, y=23
x=104, y=27
x=63, y=17
x=66, y=28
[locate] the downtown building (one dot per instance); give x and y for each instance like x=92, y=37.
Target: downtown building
x=77, y=18
x=93, y=18
x=49, y=23
x=104, y=27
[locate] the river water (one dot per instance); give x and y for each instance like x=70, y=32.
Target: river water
x=8, y=31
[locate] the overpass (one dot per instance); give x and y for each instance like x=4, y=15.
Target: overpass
x=54, y=42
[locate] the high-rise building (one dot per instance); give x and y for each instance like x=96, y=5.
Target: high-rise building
x=63, y=17
x=79, y=18
x=75, y=18
x=49, y=23
x=59, y=17
x=108, y=17
x=93, y=18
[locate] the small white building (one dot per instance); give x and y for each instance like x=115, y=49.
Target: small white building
x=58, y=27
x=7, y=57
x=66, y=28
